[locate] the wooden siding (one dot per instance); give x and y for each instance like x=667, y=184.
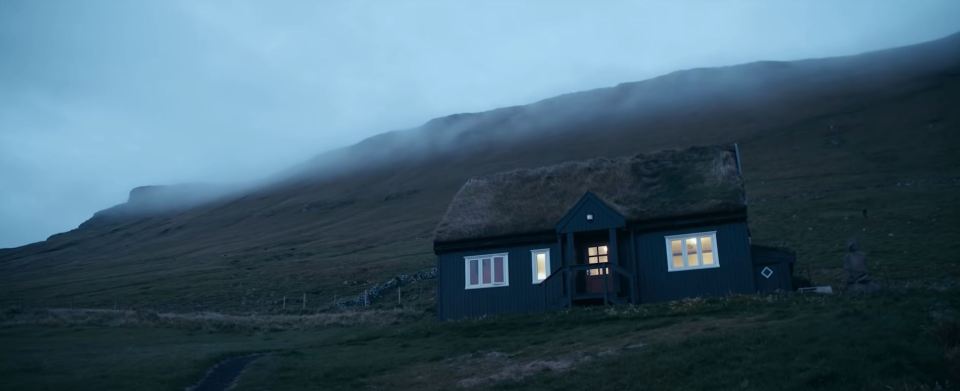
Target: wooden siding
x=780, y=280
x=735, y=274
x=521, y=295
x=780, y=262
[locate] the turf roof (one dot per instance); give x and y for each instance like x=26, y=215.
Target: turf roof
x=648, y=186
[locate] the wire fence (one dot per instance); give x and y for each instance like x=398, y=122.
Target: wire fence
x=401, y=290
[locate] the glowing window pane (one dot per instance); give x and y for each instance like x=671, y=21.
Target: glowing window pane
x=691, y=245
x=707, y=258
x=603, y=250
x=541, y=266
x=706, y=244
x=692, y=259
x=677, y=261
x=706, y=248
x=675, y=247
x=592, y=251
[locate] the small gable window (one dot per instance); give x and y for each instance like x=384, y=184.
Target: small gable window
x=486, y=271
x=692, y=251
x=540, y=259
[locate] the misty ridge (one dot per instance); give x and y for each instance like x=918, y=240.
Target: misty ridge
x=303, y=195
x=154, y=200
x=749, y=97
x=742, y=89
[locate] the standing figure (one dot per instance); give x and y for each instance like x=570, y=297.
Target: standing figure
x=855, y=265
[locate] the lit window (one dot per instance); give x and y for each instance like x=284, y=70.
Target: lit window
x=486, y=271
x=541, y=264
x=596, y=255
x=692, y=251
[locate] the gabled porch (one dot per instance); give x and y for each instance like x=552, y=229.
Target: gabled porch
x=592, y=238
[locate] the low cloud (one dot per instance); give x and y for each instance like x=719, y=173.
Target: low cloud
x=102, y=96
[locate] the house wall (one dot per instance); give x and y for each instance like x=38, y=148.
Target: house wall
x=735, y=274
x=521, y=295
x=780, y=261
x=780, y=280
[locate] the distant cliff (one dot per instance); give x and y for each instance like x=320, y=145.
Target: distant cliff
x=160, y=199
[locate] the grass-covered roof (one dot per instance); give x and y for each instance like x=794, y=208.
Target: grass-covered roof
x=641, y=187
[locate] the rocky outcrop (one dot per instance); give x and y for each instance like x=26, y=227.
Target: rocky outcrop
x=159, y=199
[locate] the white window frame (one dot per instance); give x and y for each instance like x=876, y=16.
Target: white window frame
x=491, y=284
x=683, y=247
x=533, y=263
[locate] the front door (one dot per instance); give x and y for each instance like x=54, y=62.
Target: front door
x=596, y=254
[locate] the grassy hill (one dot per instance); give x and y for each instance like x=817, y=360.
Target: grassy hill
x=822, y=140
x=862, y=146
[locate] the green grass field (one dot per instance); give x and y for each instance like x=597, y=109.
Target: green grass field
x=905, y=338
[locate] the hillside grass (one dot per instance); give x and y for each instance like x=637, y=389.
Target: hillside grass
x=751, y=343
x=904, y=338
x=809, y=196
x=881, y=167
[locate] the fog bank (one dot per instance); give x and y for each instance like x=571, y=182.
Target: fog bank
x=99, y=97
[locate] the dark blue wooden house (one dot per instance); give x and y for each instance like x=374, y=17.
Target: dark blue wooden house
x=646, y=228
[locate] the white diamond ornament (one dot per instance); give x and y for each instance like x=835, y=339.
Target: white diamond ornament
x=766, y=272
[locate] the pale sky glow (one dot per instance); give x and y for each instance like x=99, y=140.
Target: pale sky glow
x=97, y=97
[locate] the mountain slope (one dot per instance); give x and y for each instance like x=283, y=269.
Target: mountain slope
x=822, y=140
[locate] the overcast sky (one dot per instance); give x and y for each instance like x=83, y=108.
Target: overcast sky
x=97, y=97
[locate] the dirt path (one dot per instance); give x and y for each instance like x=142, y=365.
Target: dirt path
x=222, y=376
